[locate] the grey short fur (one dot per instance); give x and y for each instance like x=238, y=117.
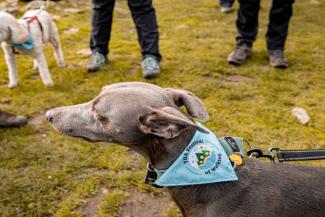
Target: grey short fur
x=147, y=119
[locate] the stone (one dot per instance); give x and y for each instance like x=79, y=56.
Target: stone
x=84, y=52
x=71, y=31
x=301, y=115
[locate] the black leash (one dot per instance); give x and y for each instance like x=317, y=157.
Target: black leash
x=288, y=155
x=300, y=155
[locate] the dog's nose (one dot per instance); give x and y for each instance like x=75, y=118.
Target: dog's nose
x=49, y=116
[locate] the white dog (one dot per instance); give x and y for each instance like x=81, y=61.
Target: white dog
x=28, y=36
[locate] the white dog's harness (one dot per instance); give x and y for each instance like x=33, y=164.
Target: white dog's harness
x=29, y=43
x=30, y=20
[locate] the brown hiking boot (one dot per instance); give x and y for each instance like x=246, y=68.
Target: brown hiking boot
x=9, y=120
x=239, y=55
x=277, y=59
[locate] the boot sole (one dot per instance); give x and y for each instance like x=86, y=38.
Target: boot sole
x=93, y=70
x=280, y=66
x=150, y=74
x=238, y=63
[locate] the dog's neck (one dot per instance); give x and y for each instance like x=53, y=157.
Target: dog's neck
x=161, y=153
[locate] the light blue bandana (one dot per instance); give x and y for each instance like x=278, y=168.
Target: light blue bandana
x=203, y=161
x=28, y=45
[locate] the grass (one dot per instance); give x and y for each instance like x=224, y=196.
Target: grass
x=45, y=174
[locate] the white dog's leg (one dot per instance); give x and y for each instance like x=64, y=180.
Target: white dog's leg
x=44, y=70
x=35, y=65
x=55, y=41
x=12, y=66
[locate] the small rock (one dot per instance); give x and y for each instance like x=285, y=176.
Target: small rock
x=33, y=5
x=315, y=2
x=85, y=52
x=56, y=17
x=181, y=27
x=71, y=31
x=5, y=101
x=12, y=1
x=37, y=4
x=104, y=190
x=121, y=11
x=301, y=115
x=72, y=10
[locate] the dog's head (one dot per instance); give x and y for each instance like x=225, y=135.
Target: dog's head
x=11, y=30
x=127, y=113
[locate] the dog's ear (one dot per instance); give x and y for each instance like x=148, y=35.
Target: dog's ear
x=18, y=34
x=193, y=105
x=165, y=123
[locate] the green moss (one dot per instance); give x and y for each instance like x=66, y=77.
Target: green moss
x=172, y=212
x=109, y=206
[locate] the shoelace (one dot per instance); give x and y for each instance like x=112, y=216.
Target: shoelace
x=150, y=63
x=97, y=58
x=242, y=50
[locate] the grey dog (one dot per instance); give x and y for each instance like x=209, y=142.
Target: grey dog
x=147, y=119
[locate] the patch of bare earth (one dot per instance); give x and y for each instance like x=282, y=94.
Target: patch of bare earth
x=92, y=204
x=237, y=79
x=140, y=204
x=36, y=119
x=136, y=204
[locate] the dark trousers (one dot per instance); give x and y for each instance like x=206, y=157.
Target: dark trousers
x=145, y=20
x=247, y=22
x=227, y=2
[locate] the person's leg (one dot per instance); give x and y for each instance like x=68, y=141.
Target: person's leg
x=280, y=15
x=247, y=21
x=276, y=35
x=102, y=18
x=144, y=17
x=247, y=26
x=145, y=20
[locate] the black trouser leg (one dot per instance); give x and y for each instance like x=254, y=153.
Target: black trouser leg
x=280, y=15
x=102, y=18
x=247, y=21
x=144, y=17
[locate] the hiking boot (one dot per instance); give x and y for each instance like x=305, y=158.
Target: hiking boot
x=277, y=59
x=9, y=120
x=225, y=8
x=239, y=55
x=96, y=61
x=150, y=66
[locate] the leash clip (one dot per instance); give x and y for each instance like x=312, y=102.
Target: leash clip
x=271, y=150
x=151, y=176
x=258, y=153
